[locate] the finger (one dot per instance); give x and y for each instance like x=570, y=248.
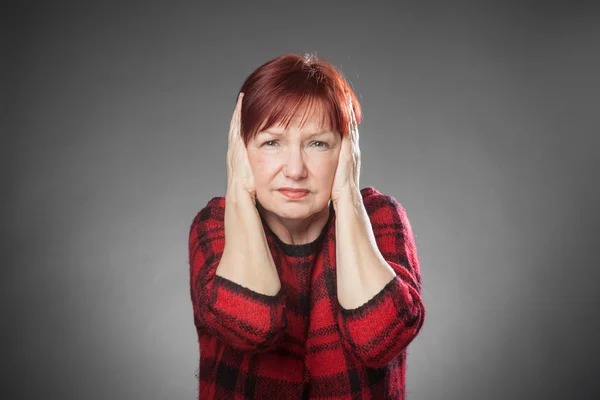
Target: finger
x=232, y=122
x=235, y=120
x=352, y=115
x=239, y=121
x=239, y=115
x=353, y=124
x=349, y=104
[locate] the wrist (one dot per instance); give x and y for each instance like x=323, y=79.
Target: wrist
x=237, y=192
x=347, y=196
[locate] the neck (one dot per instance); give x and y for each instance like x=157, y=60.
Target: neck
x=295, y=231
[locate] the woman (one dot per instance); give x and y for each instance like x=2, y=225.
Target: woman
x=303, y=286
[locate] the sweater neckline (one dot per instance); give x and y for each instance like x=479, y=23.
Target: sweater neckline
x=305, y=249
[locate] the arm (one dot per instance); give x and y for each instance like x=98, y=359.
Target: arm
x=247, y=259
x=378, y=278
x=235, y=288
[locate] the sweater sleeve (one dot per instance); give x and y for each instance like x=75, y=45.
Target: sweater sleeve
x=245, y=319
x=377, y=331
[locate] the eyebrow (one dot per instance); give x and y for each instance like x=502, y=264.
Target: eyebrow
x=311, y=135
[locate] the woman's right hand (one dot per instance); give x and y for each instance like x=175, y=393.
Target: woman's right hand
x=239, y=172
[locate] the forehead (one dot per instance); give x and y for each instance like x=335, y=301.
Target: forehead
x=305, y=119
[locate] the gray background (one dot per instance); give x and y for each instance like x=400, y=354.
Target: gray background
x=481, y=119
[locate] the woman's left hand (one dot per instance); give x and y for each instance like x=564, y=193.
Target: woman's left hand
x=347, y=174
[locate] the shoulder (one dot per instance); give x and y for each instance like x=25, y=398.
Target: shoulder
x=385, y=211
x=376, y=202
x=391, y=227
x=211, y=216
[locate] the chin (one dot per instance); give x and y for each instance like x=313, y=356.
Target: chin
x=292, y=211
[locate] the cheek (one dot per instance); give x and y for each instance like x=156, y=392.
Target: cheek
x=325, y=167
x=262, y=167
x=323, y=173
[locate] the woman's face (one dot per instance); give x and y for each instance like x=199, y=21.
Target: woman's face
x=297, y=158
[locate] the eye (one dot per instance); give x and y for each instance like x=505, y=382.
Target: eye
x=323, y=144
x=271, y=143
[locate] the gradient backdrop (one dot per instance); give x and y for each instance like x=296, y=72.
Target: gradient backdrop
x=481, y=119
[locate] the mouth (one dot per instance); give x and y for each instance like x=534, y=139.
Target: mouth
x=294, y=194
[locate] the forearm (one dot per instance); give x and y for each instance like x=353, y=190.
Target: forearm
x=362, y=272
x=246, y=258
x=231, y=306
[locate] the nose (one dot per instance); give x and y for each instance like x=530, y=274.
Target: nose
x=295, y=167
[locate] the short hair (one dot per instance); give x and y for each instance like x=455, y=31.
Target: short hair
x=277, y=89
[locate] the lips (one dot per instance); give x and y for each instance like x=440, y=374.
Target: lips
x=293, y=193
x=293, y=190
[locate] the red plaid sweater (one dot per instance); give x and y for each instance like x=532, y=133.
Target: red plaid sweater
x=301, y=343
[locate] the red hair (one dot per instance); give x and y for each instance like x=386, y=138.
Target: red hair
x=278, y=88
